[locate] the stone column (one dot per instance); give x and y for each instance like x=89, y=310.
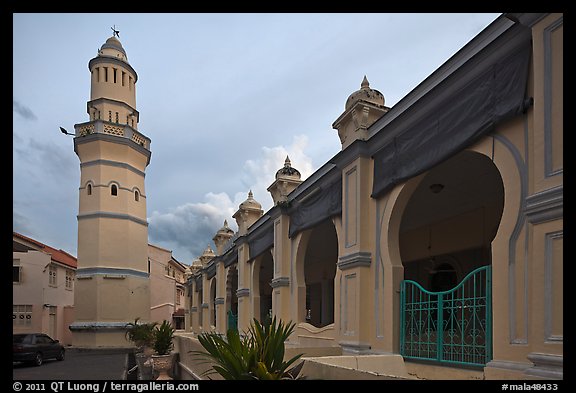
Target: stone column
x=281, y=305
x=244, y=287
x=220, y=296
x=354, y=277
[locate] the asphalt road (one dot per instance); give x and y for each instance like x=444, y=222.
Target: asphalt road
x=79, y=364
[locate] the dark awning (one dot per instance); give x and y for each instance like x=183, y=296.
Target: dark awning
x=324, y=202
x=230, y=257
x=261, y=239
x=458, y=116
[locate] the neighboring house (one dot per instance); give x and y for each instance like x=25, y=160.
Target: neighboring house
x=167, y=279
x=43, y=288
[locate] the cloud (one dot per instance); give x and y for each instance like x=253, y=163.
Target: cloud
x=188, y=229
x=21, y=223
x=260, y=173
x=23, y=110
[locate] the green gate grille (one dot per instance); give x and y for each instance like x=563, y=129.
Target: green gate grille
x=453, y=326
x=232, y=320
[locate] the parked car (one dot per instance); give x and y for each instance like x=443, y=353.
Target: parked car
x=34, y=348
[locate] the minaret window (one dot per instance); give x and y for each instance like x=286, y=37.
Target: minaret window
x=136, y=196
x=116, y=117
x=130, y=82
x=123, y=78
x=114, y=190
x=98, y=115
x=132, y=123
x=110, y=116
x=114, y=72
x=105, y=74
x=89, y=189
x=97, y=70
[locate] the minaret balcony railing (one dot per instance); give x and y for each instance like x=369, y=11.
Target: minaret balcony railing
x=106, y=127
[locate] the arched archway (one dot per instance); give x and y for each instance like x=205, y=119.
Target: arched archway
x=263, y=271
x=451, y=218
x=199, y=311
x=445, y=238
x=212, y=308
x=316, y=263
x=231, y=297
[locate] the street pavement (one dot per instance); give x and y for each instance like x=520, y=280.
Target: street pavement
x=78, y=364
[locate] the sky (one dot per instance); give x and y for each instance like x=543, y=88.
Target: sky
x=223, y=97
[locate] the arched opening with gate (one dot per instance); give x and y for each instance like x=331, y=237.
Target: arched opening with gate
x=445, y=246
x=232, y=298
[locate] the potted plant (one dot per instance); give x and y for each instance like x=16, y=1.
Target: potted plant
x=163, y=345
x=142, y=335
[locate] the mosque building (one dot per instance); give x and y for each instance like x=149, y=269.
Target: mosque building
x=436, y=233
x=435, y=236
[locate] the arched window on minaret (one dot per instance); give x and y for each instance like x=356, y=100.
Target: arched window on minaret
x=114, y=190
x=89, y=189
x=136, y=195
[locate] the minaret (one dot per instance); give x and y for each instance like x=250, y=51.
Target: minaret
x=112, y=280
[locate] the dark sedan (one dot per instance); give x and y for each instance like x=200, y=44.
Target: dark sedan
x=34, y=348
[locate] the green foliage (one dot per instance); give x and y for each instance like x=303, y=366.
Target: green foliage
x=258, y=354
x=141, y=334
x=163, y=338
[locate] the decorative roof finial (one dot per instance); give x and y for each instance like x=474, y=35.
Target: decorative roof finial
x=115, y=32
x=287, y=162
x=365, y=84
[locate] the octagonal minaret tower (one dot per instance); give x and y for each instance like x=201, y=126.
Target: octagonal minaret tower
x=112, y=280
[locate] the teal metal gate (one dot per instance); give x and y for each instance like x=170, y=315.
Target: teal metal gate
x=453, y=326
x=232, y=320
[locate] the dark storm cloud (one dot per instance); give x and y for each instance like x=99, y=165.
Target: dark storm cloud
x=190, y=228
x=25, y=112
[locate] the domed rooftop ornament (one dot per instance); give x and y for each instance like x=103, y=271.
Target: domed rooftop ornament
x=363, y=108
x=365, y=94
x=250, y=203
x=225, y=229
x=247, y=214
x=287, y=179
x=288, y=171
x=208, y=252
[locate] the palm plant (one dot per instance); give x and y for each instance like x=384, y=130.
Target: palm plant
x=141, y=334
x=163, y=338
x=259, y=354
